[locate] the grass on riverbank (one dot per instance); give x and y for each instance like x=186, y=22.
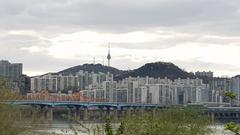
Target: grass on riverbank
x=172, y=121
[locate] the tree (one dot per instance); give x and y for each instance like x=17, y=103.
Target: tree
x=120, y=129
x=9, y=114
x=233, y=127
x=231, y=96
x=172, y=121
x=108, y=127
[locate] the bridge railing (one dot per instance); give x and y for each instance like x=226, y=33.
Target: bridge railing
x=67, y=97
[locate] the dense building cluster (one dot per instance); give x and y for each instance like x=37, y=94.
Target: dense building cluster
x=64, y=83
x=149, y=90
x=130, y=90
x=204, y=74
x=203, y=89
x=140, y=89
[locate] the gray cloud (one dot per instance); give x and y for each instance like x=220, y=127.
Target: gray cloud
x=69, y=15
x=51, y=18
x=197, y=65
x=37, y=62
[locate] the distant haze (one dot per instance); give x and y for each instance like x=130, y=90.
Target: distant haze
x=51, y=35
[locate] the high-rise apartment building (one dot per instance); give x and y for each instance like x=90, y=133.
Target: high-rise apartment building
x=204, y=74
x=152, y=91
x=235, y=86
x=12, y=71
x=57, y=82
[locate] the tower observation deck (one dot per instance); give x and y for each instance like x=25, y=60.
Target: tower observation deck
x=109, y=56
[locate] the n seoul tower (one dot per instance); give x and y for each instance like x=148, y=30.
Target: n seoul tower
x=109, y=55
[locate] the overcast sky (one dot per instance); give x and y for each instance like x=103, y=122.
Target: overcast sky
x=51, y=35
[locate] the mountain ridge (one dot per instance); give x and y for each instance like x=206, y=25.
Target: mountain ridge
x=90, y=68
x=158, y=69
x=155, y=69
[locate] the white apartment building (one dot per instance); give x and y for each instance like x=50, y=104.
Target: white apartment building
x=145, y=90
x=152, y=91
x=235, y=86
x=204, y=74
x=58, y=82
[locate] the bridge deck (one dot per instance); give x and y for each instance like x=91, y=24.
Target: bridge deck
x=81, y=104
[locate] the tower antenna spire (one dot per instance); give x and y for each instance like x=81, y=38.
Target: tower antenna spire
x=94, y=60
x=109, y=55
x=103, y=62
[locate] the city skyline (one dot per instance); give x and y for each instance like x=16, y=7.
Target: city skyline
x=53, y=35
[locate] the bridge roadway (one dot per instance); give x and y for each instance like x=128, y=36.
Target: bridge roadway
x=83, y=109
x=223, y=113
x=82, y=104
x=77, y=108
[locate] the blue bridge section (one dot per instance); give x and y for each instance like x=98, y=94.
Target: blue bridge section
x=82, y=104
x=86, y=110
x=116, y=108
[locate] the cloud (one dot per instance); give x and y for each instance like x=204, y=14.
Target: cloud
x=52, y=35
x=219, y=69
x=34, y=49
x=121, y=16
x=88, y=43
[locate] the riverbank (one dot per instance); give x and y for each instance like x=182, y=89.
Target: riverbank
x=67, y=129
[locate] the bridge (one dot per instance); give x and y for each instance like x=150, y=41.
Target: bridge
x=85, y=110
x=223, y=113
x=84, y=107
x=83, y=104
x=77, y=105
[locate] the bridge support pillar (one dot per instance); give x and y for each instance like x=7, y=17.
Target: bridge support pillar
x=85, y=114
x=154, y=112
x=212, y=116
x=42, y=113
x=69, y=114
x=115, y=114
x=121, y=112
x=72, y=113
x=142, y=110
x=129, y=111
x=75, y=113
x=78, y=113
x=20, y=115
x=108, y=111
x=102, y=113
x=33, y=114
x=49, y=114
